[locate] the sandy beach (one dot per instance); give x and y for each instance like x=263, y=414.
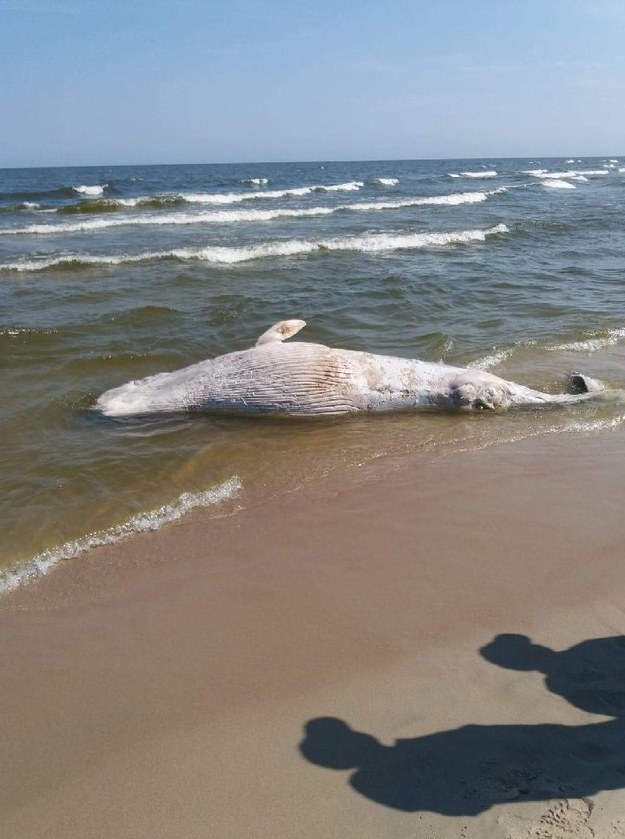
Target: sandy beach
x=421, y=647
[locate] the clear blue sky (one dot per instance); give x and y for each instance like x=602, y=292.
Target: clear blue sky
x=202, y=81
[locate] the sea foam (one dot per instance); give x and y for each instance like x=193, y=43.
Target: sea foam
x=367, y=243
x=153, y=520
x=216, y=198
x=452, y=199
x=493, y=360
x=489, y=173
x=557, y=183
x=570, y=173
x=295, y=192
x=598, y=341
x=91, y=191
x=247, y=215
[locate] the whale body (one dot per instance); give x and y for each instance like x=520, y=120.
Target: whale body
x=306, y=379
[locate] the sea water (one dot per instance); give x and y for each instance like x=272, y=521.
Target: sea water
x=113, y=273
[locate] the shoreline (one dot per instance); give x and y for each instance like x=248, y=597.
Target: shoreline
x=162, y=686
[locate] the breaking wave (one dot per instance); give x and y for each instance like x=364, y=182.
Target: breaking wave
x=557, y=183
x=153, y=520
x=93, y=191
x=29, y=195
x=452, y=199
x=593, y=343
x=236, y=197
x=215, y=198
x=384, y=181
x=570, y=173
x=252, y=215
x=488, y=173
x=368, y=243
x=487, y=362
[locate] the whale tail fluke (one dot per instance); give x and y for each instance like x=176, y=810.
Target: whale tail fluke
x=281, y=331
x=580, y=383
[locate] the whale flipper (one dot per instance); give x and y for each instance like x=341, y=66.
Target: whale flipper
x=281, y=331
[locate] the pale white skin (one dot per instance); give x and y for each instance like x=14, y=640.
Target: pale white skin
x=311, y=379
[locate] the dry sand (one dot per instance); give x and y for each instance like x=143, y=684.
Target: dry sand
x=328, y=664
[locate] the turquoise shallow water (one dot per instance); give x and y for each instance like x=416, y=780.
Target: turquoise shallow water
x=109, y=274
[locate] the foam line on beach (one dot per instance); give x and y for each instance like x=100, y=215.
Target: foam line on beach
x=575, y=427
x=367, y=243
x=250, y=215
x=43, y=562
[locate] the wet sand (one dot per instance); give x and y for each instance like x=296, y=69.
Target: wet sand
x=328, y=663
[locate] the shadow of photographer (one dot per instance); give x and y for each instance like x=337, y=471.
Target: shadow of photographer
x=467, y=770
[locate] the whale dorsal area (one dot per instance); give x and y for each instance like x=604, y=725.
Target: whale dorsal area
x=281, y=331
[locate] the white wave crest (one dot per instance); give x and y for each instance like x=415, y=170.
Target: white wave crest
x=166, y=219
x=25, y=330
x=368, y=243
x=254, y=181
x=488, y=173
x=295, y=192
x=74, y=259
x=492, y=360
x=592, y=343
x=452, y=199
x=557, y=183
x=385, y=181
x=91, y=191
x=570, y=173
x=152, y=520
x=251, y=215
x=233, y=197
x=352, y=186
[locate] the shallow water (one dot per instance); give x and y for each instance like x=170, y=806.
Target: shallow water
x=110, y=274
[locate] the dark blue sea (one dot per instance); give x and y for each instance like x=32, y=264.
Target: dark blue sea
x=113, y=273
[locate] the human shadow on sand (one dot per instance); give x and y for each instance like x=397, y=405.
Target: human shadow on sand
x=467, y=770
